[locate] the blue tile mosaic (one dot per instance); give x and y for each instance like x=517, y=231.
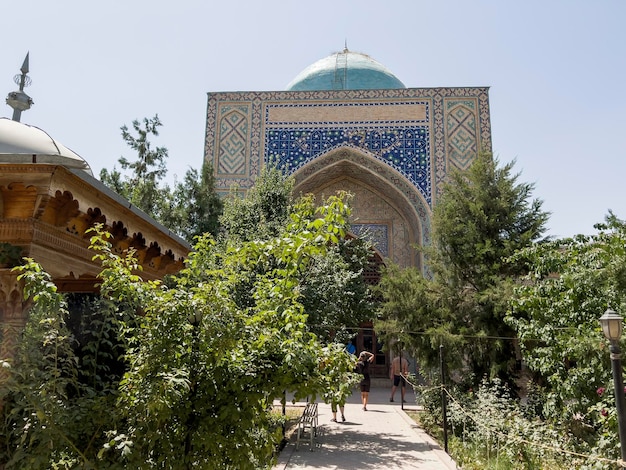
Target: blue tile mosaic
x=406, y=149
x=446, y=135
x=376, y=234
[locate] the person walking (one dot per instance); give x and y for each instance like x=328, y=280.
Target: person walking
x=333, y=407
x=398, y=373
x=363, y=367
x=338, y=379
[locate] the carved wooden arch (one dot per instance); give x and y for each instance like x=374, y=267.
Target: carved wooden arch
x=80, y=224
x=149, y=255
x=12, y=301
x=120, y=240
x=61, y=209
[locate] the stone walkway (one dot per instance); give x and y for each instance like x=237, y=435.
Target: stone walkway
x=383, y=437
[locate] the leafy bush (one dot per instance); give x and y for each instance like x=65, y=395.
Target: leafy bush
x=490, y=429
x=178, y=376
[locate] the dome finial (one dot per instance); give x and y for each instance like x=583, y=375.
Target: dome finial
x=19, y=100
x=345, y=46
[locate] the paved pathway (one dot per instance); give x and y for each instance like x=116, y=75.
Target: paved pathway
x=383, y=437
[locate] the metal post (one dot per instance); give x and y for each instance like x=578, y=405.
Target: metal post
x=284, y=403
x=444, y=401
x=402, y=382
x=620, y=399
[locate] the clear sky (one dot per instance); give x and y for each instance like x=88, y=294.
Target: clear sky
x=556, y=71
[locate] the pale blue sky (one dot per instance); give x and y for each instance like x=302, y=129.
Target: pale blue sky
x=556, y=71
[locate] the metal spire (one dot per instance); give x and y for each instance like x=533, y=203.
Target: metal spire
x=19, y=100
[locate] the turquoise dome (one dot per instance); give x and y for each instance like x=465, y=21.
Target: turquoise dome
x=345, y=70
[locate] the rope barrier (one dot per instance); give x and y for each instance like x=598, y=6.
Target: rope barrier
x=452, y=335
x=415, y=385
x=618, y=462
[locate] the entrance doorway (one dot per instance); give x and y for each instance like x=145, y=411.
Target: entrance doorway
x=366, y=340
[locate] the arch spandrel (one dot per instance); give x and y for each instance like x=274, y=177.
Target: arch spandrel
x=383, y=201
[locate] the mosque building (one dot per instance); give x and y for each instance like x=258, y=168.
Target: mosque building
x=344, y=123
x=348, y=123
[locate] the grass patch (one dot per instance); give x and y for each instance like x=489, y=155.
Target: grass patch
x=289, y=421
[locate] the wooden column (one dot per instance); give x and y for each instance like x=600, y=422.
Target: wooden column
x=13, y=314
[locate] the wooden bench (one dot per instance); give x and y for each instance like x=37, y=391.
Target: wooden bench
x=308, y=423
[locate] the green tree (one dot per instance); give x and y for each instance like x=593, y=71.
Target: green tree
x=555, y=312
x=413, y=313
x=190, y=209
x=61, y=387
x=202, y=398
x=143, y=186
x=194, y=207
x=482, y=218
x=200, y=370
x=264, y=211
x=334, y=293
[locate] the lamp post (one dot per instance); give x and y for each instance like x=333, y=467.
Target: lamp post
x=611, y=323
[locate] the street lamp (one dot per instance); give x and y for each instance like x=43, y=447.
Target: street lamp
x=611, y=323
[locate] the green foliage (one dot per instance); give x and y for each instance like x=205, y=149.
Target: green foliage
x=333, y=292
x=337, y=375
x=412, y=314
x=491, y=430
x=208, y=391
x=58, y=393
x=190, y=209
x=183, y=375
x=142, y=188
x=194, y=207
x=172, y=377
x=264, y=212
x=482, y=217
x=568, y=419
x=555, y=312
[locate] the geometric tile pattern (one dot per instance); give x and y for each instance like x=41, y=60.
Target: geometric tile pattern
x=405, y=149
x=443, y=137
x=461, y=127
x=406, y=140
x=233, y=136
x=376, y=234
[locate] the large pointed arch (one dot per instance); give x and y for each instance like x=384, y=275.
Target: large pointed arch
x=387, y=199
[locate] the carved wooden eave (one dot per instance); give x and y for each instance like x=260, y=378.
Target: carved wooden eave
x=47, y=210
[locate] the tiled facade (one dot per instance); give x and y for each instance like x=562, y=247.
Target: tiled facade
x=391, y=148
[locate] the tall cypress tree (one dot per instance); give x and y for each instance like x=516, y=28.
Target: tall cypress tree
x=482, y=218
